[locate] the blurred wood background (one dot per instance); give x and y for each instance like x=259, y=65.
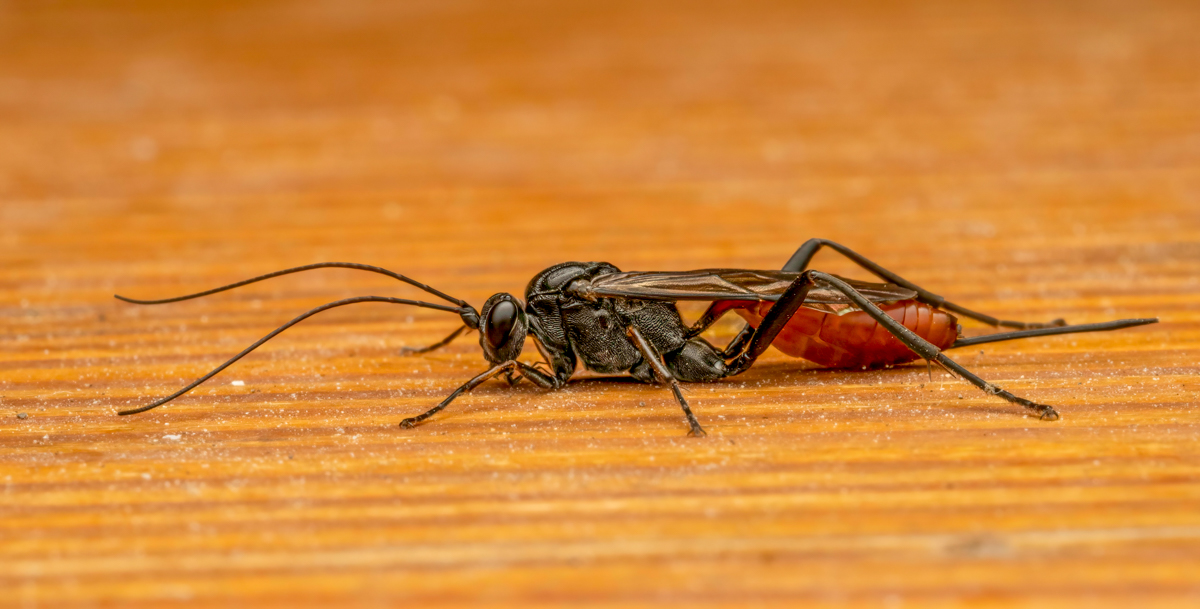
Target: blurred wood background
x=1028, y=159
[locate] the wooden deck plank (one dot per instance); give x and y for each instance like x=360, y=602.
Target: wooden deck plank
x=1027, y=160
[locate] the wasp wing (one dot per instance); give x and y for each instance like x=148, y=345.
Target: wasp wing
x=736, y=284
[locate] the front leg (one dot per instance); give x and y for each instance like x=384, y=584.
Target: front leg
x=651, y=356
x=435, y=346
x=538, y=377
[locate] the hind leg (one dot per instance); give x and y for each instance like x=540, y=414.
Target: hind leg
x=787, y=305
x=803, y=256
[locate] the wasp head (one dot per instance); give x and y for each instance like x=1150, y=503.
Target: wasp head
x=502, y=328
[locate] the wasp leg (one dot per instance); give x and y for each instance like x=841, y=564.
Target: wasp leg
x=716, y=311
x=739, y=342
x=434, y=346
x=799, y=262
x=779, y=315
x=776, y=319
x=533, y=374
x=651, y=356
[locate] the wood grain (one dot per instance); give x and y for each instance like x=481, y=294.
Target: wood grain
x=1031, y=160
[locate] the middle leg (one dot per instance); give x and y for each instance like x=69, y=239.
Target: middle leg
x=651, y=357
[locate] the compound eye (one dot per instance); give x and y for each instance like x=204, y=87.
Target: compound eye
x=500, y=322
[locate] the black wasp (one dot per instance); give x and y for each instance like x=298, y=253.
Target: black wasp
x=627, y=322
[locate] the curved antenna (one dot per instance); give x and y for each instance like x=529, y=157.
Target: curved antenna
x=273, y=334
x=307, y=267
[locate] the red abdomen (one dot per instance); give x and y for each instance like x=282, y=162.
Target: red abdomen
x=854, y=340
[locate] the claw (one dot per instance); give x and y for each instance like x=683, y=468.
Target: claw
x=697, y=432
x=408, y=423
x=1049, y=414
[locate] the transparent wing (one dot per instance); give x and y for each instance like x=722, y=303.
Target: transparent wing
x=734, y=284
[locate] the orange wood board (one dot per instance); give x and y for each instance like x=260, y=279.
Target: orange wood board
x=1031, y=161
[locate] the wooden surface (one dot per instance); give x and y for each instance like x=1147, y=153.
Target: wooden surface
x=1031, y=160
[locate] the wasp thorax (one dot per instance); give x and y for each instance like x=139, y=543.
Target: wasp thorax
x=502, y=328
